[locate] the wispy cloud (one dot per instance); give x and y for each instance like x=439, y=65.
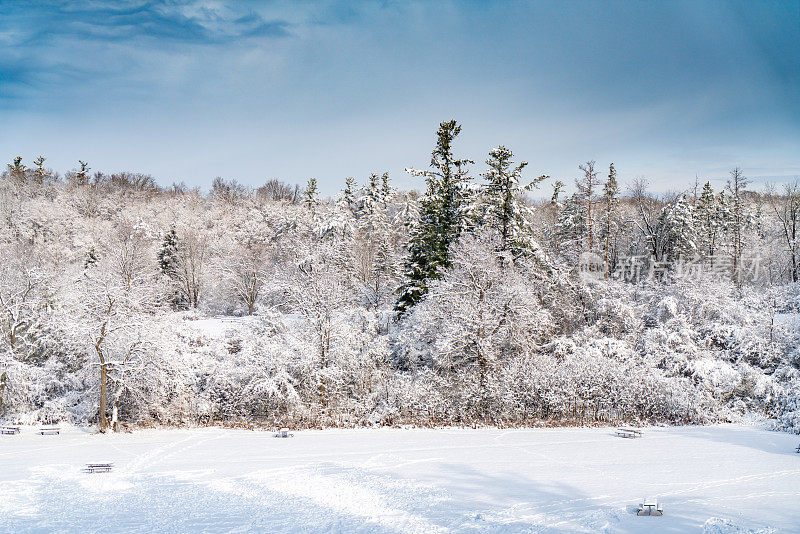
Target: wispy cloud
x=51, y=43
x=189, y=22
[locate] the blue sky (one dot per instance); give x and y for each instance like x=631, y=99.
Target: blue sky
x=190, y=90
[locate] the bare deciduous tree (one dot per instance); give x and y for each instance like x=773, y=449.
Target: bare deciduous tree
x=247, y=272
x=278, y=191
x=648, y=207
x=23, y=298
x=99, y=316
x=131, y=255
x=787, y=210
x=319, y=293
x=192, y=255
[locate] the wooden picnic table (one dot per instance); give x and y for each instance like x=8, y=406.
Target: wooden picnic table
x=9, y=430
x=650, y=505
x=49, y=430
x=284, y=433
x=99, y=468
x=629, y=433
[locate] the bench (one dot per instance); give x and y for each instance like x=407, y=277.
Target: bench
x=798, y=449
x=49, y=430
x=9, y=430
x=99, y=468
x=283, y=433
x=629, y=433
x=650, y=506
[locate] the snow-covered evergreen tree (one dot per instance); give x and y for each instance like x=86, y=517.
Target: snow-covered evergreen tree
x=348, y=194
x=91, y=258
x=386, y=189
x=587, y=185
x=610, y=219
x=18, y=171
x=183, y=261
x=677, y=222
x=168, y=253
x=552, y=209
x=40, y=173
x=500, y=205
x=372, y=199
x=311, y=194
x=571, y=226
x=738, y=220
x=376, y=259
x=441, y=217
x=707, y=222
x=82, y=175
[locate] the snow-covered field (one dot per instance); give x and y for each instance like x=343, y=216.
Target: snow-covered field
x=713, y=479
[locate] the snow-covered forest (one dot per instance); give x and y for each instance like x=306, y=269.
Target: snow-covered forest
x=466, y=302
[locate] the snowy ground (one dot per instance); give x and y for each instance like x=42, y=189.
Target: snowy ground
x=713, y=479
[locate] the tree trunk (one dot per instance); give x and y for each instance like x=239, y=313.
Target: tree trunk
x=323, y=363
x=103, y=396
x=2, y=390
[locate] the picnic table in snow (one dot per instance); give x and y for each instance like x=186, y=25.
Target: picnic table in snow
x=629, y=433
x=283, y=433
x=9, y=430
x=649, y=505
x=45, y=430
x=798, y=449
x=99, y=468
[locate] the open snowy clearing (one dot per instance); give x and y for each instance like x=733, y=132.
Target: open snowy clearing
x=714, y=479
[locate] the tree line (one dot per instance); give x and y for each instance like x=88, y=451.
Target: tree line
x=458, y=304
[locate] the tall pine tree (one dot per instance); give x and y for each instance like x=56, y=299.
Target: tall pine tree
x=608, y=230
x=372, y=194
x=348, y=194
x=168, y=254
x=41, y=174
x=82, y=176
x=586, y=186
x=501, y=205
x=571, y=226
x=441, y=217
x=386, y=189
x=17, y=171
x=738, y=220
x=169, y=263
x=377, y=258
x=310, y=195
x=707, y=221
x=679, y=234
